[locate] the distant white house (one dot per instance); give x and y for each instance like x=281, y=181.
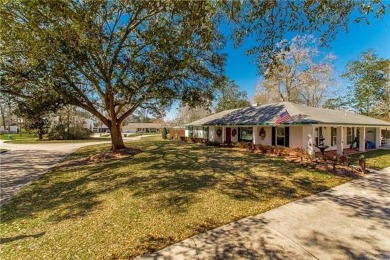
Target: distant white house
x=101, y=129
x=12, y=129
x=88, y=123
x=143, y=127
x=303, y=128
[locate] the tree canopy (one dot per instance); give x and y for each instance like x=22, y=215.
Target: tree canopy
x=112, y=56
x=370, y=78
x=230, y=96
x=268, y=22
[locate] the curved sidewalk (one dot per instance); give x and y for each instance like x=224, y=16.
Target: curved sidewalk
x=351, y=221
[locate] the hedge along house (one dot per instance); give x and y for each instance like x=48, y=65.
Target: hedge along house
x=301, y=127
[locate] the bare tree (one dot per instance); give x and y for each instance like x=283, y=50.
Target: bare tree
x=186, y=114
x=316, y=83
x=298, y=75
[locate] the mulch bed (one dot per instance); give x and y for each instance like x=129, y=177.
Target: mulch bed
x=102, y=156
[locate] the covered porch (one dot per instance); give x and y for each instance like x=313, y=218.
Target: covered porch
x=342, y=139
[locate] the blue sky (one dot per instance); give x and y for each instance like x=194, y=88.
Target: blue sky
x=347, y=46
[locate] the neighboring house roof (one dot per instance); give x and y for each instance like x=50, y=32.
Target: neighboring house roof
x=267, y=115
x=144, y=125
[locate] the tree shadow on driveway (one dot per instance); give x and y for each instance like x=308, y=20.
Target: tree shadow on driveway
x=20, y=167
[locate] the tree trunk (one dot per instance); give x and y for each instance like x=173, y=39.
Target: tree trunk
x=2, y=110
x=116, y=138
x=9, y=117
x=67, y=122
x=20, y=126
x=40, y=133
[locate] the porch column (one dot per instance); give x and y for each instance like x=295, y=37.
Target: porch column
x=256, y=136
x=311, y=140
x=212, y=134
x=377, y=137
x=223, y=135
x=362, y=139
x=340, y=140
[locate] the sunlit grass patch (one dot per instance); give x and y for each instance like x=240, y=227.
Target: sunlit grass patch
x=377, y=159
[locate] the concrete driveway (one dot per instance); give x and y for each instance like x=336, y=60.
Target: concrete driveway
x=24, y=163
x=351, y=221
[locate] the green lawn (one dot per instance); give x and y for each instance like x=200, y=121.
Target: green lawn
x=18, y=137
x=124, y=207
x=33, y=139
x=26, y=138
x=377, y=159
x=141, y=134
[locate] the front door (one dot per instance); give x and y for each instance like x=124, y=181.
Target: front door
x=228, y=135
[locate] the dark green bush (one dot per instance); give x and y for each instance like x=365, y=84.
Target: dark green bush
x=212, y=143
x=59, y=132
x=76, y=133
x=164, y=133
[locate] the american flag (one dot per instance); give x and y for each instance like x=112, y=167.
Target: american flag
x=283, y=117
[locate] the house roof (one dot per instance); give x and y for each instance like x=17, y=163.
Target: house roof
x=300, y=114
x=144, y=125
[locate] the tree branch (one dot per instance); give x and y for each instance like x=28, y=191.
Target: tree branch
x=131, y=110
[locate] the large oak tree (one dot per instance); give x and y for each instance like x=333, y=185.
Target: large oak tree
x=109, y=57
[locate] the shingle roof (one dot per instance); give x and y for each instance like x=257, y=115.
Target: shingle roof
x=144, y=125
x=267, y=114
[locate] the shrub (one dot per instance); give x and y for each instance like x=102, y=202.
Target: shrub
x=300, y=152
x=75, y=133
x=329, y=158
x=242, y=145
x=164, y=133
x=279, y=151
x=263, y=149
x=58, y=132
x=212, y=143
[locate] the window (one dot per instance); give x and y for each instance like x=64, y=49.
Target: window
x=318, y=135
x=350, y=135
x=333, y=136
x=190, y=131
x=385, y=134
x=280, y=135
x=246, y=134
x=206, y=133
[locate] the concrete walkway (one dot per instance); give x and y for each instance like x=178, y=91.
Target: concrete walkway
x=24, y=163
x=351, y=221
